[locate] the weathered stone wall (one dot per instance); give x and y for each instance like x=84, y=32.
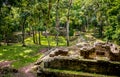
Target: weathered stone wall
x=109, y=50
x=49, y=73
x=101, y=58
x=93, y=66
x=58, y=74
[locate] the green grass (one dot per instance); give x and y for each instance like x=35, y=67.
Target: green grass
x=21, y=55
x=62, y=41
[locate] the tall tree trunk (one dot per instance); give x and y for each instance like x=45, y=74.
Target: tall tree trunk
x=87, y=19
x=49, y=8
x=67, y=32
x=36, y=38
x=68, y=19
x=39, y=37
x=6, y=41
x=47, y=39
x=33, y=36
x=57, y=22
x=101, y=29
x=0, y=19
x=23, y=32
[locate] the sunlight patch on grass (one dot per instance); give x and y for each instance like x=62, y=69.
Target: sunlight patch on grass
x=1, y=54
x=25, y=56
x=21, y=55
x=29, y=41
x=4, y=49
x=44, y=41
x=28, y=54
x=53, y=44
x=28, y=51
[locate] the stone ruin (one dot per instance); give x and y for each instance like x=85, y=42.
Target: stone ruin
x=86, y=58
x=61, y=52
x=106, y=51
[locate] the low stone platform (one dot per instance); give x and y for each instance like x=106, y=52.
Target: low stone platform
x=85, y=65
x=66, y=73
x=100, y=58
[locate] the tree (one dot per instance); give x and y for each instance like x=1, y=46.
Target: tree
x=24, y=18
x=57, y=22
x=68, y=20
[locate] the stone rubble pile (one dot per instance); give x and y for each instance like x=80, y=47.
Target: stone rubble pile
x=99, y=50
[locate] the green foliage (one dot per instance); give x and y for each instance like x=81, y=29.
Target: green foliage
x=113, y=31
x=41, y=28
x=54, y=31
x=1, y=37
x=116, y=36
x=104, y=16
x=108, y=33
x=41, y=16
x=71, y=32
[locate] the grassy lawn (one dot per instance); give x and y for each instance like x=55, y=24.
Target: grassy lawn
x=62, y=41
x=23, y=56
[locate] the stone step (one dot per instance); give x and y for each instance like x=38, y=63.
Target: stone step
x=67, y=73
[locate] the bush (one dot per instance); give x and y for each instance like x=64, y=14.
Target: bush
x=116, y=36
x=0, y=37
x=71, y=33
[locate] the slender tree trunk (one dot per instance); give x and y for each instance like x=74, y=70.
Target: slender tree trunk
x=57, y=40
x=47, y=39
x=33, y=36
x=6, y=41
x=68, y=19
x=23, y=32
x=0, y=13
x=67, y=32
x=57, y=22
x=49, y=8
x=101, y=29
x=36, y=38
x=87, y=22
x=39, y=37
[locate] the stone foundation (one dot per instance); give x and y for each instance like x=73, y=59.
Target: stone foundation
x=100, y=58
x=63, y=73
x=92, y=66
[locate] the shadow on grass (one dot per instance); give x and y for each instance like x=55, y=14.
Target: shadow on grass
x=21, y=55
x=29, y=54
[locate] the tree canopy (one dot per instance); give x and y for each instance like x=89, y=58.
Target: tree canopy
x=102, y=17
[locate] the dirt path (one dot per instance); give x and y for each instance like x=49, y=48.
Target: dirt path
x=27, y=71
